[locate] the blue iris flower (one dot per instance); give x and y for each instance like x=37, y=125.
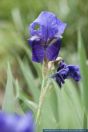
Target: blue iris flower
x=46, y=32
x=65, y=71
x=16, y=123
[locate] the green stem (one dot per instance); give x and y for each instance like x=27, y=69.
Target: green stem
x=44, y=89
x=41, y=101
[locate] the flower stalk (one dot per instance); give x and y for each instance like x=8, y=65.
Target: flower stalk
x=41, y=101
x=44, y=89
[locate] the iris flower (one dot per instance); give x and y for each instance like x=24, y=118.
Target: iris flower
x=65, y=71
x=46, y=33
x=16, y=123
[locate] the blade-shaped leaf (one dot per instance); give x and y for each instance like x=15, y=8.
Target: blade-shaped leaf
x=9, y=99
x=84, y=71
x=32, y=105
x=55, y=99
x=16, y=15
x=30, y=80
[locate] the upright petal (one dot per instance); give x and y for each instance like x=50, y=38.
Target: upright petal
x=61, y=27
x=52, y=50
x=49, y=26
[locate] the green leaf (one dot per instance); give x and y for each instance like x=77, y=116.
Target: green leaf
x=32, y=105
x=85, y=121
x=48, y=119
x=18, y=89
x=67, y=97
x=9, y=99
x=16, y=16
x=49, y=110
x=71, y=95
x=29, y=80
x=84, y=71
x=55, y=99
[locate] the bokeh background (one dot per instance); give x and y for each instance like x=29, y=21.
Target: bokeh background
x=15, y=16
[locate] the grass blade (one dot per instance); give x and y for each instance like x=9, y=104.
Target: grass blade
x=84, y=71
x=9, y=99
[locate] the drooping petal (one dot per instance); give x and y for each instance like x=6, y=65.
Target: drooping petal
x=52, y=50
x=37, y=51
x=74, y=72
x=49, y=26
x=58, y=81
x=73, y=68
x=61, y=78
x=65, y=71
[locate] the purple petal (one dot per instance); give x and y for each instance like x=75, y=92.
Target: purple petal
x=26, y=123
x=49, y=26
x=61, y=78
x=73, y=68
x=16, y=123
x=61, y=27
x=8, y=123
x=53, y=50
x=65, y=71
x=58, y=81
x=32, y=39
x=2, y=122
x=62, y=65
x=74, y=72
x=37, y=51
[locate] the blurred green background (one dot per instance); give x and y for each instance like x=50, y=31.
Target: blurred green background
x=15, y=16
